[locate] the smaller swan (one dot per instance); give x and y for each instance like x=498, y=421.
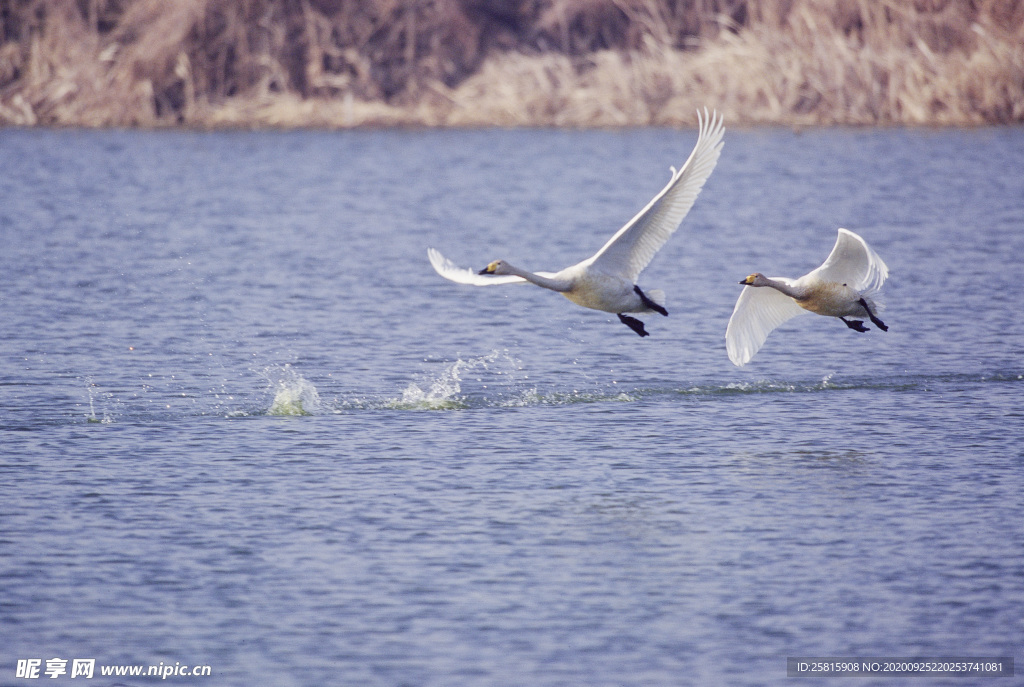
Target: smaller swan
x=842, y=287
x=607, y=280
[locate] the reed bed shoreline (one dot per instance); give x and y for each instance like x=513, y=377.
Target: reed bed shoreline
x=212, y=64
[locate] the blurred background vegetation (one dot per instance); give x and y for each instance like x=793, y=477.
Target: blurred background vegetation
x=340, y=63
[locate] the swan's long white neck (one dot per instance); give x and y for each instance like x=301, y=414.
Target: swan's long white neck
x=553, y=283
x=788, y=289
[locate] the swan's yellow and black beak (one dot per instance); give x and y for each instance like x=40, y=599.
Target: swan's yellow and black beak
x=748, y=281
x=489, y=269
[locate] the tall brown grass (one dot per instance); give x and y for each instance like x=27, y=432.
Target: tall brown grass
x=340, y=63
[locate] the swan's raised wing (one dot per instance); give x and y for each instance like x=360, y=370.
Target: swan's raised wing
x=853, y=262
x=634, y=245
x=463, y=275
x=757, y=313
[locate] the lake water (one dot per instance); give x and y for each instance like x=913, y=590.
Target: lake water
x=244, y=424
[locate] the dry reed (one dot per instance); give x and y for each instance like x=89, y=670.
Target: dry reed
x=344, y=63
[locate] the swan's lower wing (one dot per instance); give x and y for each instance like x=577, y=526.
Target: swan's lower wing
x=463, y=275
x=758, y=311
x=852, y=261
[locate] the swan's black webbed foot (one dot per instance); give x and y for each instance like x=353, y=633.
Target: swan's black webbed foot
x=856, y=325
x=874, y=320
x=649, y=303
x=634, y=324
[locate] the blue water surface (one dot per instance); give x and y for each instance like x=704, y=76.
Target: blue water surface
x=244, y=424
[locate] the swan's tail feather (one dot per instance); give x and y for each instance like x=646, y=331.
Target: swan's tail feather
x=653, y=301
x=876, y=303
x=656, y=295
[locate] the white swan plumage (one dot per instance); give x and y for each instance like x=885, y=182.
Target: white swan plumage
x=607, y=280
x=844, y=286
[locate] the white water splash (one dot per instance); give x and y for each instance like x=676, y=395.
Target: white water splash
x=293, y=393
x=493, y=379
x=440, y=393
x=95, y=395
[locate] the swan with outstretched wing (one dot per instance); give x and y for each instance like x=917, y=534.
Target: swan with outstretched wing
x=607, y=280
x=844, y=286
